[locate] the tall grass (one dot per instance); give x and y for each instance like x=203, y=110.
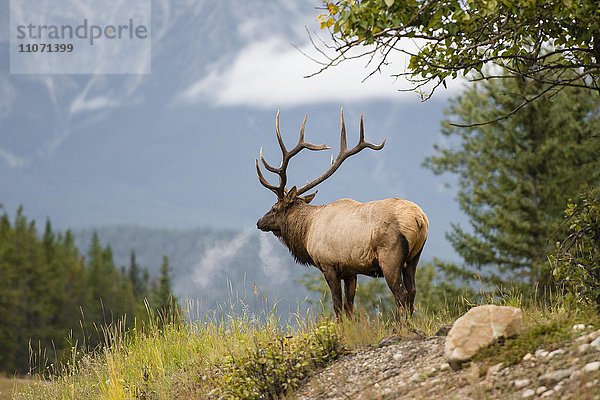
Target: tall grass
x=248, y=355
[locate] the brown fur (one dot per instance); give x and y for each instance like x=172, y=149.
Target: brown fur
x=347, y=238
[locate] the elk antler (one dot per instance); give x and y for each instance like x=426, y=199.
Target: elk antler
x=344, y=153
x=287, y=155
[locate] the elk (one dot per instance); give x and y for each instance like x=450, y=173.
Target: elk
x=346, y=238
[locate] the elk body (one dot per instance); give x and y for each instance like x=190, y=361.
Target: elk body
x=346, y=238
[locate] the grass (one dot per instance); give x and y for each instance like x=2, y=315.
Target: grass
x=249, y=357
x=10, y=385
x=546, y=326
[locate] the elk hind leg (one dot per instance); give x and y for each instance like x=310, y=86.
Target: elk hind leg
x=392, y=264
x=408, y=275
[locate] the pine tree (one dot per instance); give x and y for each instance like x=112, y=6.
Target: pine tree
x=163, y=294
x=163, y=299
x=137, y=283
x=10, y=298
x=515, y=176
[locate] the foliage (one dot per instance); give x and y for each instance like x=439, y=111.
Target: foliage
x=576, y=260
x=547, y=326
x=196, y=359
x=277, y=365
x=51, y=297
x=529, y=39
x=514, y=177
x=250, y=357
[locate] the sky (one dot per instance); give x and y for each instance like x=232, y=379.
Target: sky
x=175, y=148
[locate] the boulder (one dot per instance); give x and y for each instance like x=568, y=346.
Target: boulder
x=479, y=328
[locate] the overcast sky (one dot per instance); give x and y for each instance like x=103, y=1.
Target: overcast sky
x=175, y=148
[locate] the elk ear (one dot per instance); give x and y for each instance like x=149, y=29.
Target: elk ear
x=309, y=197
x=290, y=196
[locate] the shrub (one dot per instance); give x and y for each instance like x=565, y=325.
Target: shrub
x=277, y=365
x=576, y=260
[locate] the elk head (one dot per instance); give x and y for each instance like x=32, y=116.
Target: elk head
x=274, y=220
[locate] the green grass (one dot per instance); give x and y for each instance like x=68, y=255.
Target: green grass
x=547, y=326
x=242, y=357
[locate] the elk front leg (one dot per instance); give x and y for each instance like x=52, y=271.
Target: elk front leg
x=335, y=285
x=349, y=291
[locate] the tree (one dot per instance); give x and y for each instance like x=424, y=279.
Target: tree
x=137, y=283
x=576, y=260
x=163, y=299
x=515, y=176
x=539, y=40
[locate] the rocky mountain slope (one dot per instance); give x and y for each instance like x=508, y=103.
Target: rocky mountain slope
x=415, y=368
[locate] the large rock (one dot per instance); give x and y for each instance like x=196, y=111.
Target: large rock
x=479, y=328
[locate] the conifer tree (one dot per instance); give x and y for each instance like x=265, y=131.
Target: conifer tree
x=163, y=294
x=516, y=175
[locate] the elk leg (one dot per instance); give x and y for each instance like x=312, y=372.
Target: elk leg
x=335, y=285
x=408, y=275
x=392, y=264
x=349, y=291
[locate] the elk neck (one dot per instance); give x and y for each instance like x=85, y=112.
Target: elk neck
x=295, y=229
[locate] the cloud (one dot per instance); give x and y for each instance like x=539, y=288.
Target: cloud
x=271, y=73
x=274, y=264
x=217, y=258
x=13, y=160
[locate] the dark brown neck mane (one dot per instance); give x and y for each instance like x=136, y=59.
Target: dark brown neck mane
x=295, y=229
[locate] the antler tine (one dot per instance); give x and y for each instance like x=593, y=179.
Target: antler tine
x=361, y=141
x=344, y=153
x=285, y=159
x=266, y=164
x=278, y=133
x=343, y=143
x=301, y=139
x=264, y=182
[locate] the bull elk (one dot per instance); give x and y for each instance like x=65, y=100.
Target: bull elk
x=346, y=238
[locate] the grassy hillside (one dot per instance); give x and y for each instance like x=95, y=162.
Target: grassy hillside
x=249, y=357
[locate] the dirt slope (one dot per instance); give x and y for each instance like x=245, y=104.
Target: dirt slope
x=416, y=369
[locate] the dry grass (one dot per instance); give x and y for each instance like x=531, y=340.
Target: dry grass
x=10, y=385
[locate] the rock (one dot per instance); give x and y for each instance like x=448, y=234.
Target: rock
x=528, y=393
x=478, y=328
x=444, y=367
x=575, y=375
x=527, y=357
x=541, y=390
x=591, y=367
x=558, y=352
x=541, y=353
x=578, y=327
x=593, y=335
x=582, y=348
x=552, y=377
x=547, y=393
x=397, y=357
x=596, y=343
x=494, y=369
x=521, y=383
x=389, y=340
x=415, y=377
x=443, y=331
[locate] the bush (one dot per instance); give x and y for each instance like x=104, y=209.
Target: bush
x=277, y=365
x=576, y=260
